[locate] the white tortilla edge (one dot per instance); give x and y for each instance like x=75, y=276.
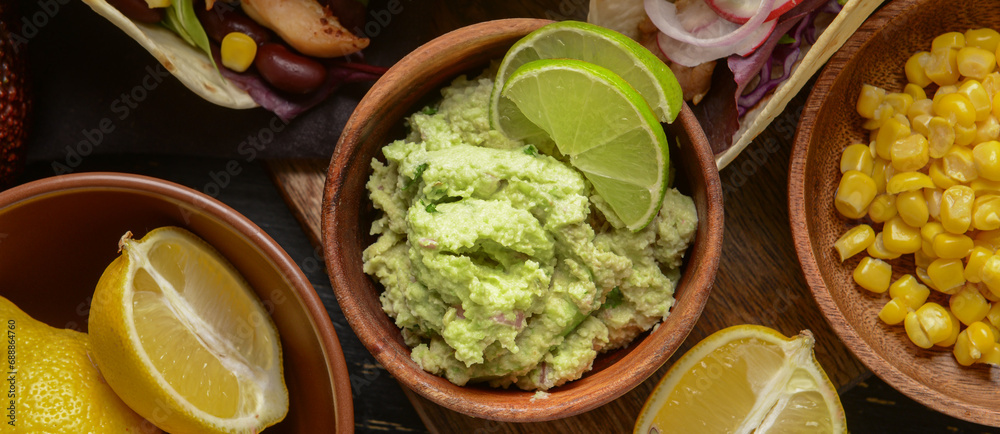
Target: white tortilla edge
x=190, y=65
x=854, y=13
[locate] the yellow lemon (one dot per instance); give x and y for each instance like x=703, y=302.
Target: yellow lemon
x=743, y=379
x=182, y=338
x=52, y=386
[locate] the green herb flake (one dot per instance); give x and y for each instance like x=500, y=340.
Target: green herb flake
x=431, y=208
x=531, y=150
x=429, y=111
x=416, y=175
x=786, y=39
x=614, y=298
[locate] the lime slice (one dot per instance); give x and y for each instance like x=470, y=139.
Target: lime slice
x=597, y=45
x=601, y=124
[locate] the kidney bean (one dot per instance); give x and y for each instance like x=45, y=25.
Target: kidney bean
x=288, y=71
x=224, y=19
x=138, y=10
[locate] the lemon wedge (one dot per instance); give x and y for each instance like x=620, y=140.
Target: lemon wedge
x=183, y=340
x=52, y=386
x=745, y=379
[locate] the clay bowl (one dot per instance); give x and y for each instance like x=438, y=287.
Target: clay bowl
x=348, y=214
x=875, y=55
x=58, y=234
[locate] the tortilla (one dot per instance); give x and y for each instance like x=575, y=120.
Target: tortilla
x=190, y=65
x=622, y=16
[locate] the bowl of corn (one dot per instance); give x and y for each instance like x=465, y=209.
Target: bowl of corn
x=894, y=200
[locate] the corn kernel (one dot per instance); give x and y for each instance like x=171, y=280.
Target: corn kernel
x=238, y=51
x=988, y=129
x=989, y=239
x=915, y=69
x=910, y=291
x=928, y=325
x=981, y=337
x=877, y=249
x=986, y=212
x=894, y=312
x=926, y=278
x=873, y=274
x=946, y=275
x=936, y=172
x=931, y=230
x=982, y=186
x=964, y=353
x=891, y=131
x=916, y=91
x=950, y=340
x=941, y=137
x=869, y=100
x=942, y=67
x=956, y=108
x=986, y=157
x=882, y=208
x=857, y=157
x=912, y=207
x=977, y=95
x=899, y=237
x=878, y=175
x=965, y=134
x=992, y=83
x=900, y=102
x=908, y=181
x=975, y=62
x=910, y=153
x=985, y=38
x=993, y=316
x=882, y=113
x=922, y=106
x=920, y=124
x=996, y=102
x=969, y=305
x=854, y=241
x=991, y=356
x=990, y=296
x=952, y=246
x=990, y=274
x=933, y=198
x=855, y=192
x=954, y=40
x=956, y=208
x=974, y=265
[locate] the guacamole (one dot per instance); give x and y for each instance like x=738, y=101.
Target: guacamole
x=500, y=263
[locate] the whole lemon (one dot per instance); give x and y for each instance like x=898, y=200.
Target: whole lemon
x=51, y=384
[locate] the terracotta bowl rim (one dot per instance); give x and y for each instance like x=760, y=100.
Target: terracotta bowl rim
x=162, y=189
x=801, y=234
x=500, y=405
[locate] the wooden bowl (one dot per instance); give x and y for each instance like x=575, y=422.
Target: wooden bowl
x=875, y=55
x=57, y=235
x=348, y=214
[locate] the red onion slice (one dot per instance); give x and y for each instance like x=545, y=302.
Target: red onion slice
x=664, y=16
x=693, y=55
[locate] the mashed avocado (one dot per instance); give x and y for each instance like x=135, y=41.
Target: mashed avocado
x=499, y=263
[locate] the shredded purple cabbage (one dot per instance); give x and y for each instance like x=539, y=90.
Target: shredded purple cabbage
x=288, y=106
x=801, y=27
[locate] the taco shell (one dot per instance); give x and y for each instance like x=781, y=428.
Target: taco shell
x=757, y=119
x=190, y=65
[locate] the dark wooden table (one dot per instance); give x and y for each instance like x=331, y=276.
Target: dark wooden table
x=759, y=280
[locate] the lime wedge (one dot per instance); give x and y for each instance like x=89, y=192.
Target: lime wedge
x=598, y=45
x=601, y=124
